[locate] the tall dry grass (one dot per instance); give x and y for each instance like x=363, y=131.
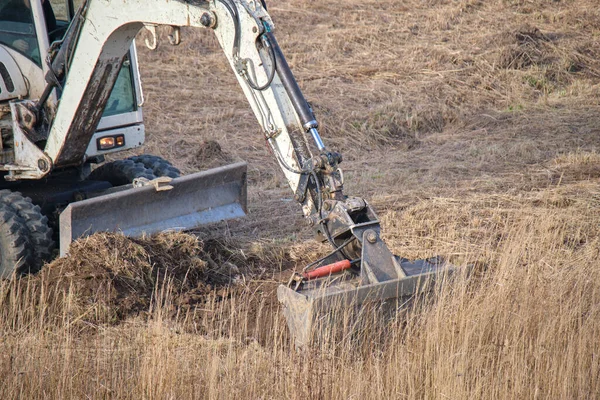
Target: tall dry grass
x=523, y=325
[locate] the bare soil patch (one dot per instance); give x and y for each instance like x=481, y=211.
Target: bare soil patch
x=109, y=277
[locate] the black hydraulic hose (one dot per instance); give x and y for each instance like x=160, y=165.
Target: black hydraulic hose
x=337, y=249
x=236, y=25
x=271, y=73
x=290, y=84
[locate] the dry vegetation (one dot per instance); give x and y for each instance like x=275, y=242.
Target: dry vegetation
x=472, y=126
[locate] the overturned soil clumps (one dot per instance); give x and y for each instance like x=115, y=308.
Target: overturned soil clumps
x=109, y=277
x=525, y=47
x=209, y=154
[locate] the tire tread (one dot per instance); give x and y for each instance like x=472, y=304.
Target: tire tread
x=36, y=224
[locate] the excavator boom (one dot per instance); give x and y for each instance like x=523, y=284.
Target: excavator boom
x=84, y=70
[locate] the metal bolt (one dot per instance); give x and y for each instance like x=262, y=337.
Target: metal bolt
x=326, y=206
x=254, y=29
x=42, y=165
x=206, y=20
x=309, y=221
x=371, y=236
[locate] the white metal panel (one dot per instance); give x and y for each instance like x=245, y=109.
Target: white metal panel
x=124, y=119
x=20, y=88
x=134, y=137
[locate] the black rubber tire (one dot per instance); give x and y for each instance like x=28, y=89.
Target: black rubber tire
x=36, y=224
x=158, y=165
x=121, y=172
x=15, y=245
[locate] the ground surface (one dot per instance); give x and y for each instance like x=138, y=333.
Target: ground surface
x=471, y=126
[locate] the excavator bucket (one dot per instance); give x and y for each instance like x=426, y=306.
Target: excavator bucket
x=383, y=282
x=182, y=203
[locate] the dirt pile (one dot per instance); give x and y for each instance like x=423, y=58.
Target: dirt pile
x=209, y=154
x=109, y=277
x=555, y=54
x=523, y=48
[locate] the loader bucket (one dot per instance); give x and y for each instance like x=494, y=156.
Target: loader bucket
x=312, y=309
x=194, y=200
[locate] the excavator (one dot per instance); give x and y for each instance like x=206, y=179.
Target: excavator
x=70, y=94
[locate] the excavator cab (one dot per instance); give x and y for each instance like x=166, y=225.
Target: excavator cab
x=28, y=29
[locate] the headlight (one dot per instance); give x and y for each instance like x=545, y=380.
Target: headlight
x=110, y=142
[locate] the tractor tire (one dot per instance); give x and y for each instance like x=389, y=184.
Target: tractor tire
x=36, y=225
x=158, y=165
x=15, y=246
x=121, y=172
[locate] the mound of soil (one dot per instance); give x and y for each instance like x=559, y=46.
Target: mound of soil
x=523, y=48
x=108, y=277
x=551, y=58
x=210, y=155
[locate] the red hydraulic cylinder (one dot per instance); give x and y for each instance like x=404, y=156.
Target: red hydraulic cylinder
x=327, y=270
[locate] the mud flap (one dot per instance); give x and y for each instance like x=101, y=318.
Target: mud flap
x=205, y=197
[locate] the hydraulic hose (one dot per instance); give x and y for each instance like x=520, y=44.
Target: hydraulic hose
x=271, y=75
x=307, y=118
x=236, y=25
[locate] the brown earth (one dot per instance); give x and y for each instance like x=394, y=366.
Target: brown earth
x=119, y=277
x=109, y=278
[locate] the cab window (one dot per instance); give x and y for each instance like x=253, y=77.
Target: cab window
x=122, y=98
x=61, y=13
x=17, y=29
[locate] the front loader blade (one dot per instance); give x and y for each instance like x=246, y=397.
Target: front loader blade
x=386, y=283
x=194, y=200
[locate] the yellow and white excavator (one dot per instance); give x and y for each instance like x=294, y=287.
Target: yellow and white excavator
x=70, y=93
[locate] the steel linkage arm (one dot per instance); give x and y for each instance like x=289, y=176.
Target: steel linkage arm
x=291, y=129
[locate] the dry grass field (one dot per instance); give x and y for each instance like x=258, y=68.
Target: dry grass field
x=471, y=126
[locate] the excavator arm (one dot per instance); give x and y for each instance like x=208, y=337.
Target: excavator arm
x=85, y=68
